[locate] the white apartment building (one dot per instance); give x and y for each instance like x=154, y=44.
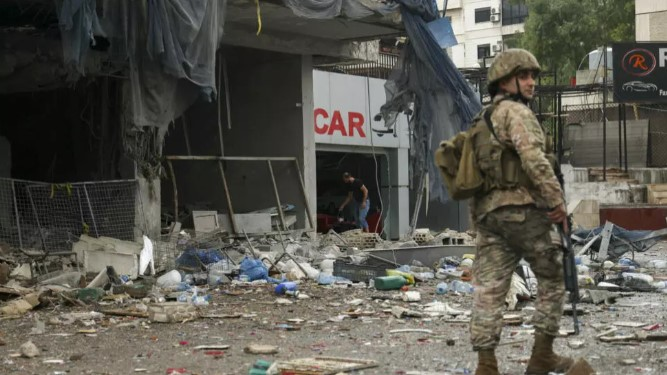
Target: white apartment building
x=483, y=28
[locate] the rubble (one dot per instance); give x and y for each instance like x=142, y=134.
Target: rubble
x=210, y=273
x=29, y=350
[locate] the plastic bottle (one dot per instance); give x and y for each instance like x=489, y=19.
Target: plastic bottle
x=389, y=282
x=324, y=279
x=184, y=297
x=182, y=287
x=216, y=277
x=282, y=288
x=410, y=279
x=461, y=287
x=442, y=288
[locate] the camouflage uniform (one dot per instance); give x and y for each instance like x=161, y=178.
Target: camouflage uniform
x=512, y=224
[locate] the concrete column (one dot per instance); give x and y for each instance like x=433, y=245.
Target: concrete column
x=397, y=198
x=147, y=212
x=309, y=164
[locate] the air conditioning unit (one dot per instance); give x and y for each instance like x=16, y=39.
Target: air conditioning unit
x=497, y=47
x=495, y=18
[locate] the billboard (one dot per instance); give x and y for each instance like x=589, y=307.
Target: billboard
x=640, y=72
x=345, y=106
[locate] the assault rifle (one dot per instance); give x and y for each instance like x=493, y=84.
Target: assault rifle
x=570, y=271
x=569, y=264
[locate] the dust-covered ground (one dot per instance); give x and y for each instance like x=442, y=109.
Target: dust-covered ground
x=125, y=345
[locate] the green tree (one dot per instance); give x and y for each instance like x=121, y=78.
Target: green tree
x=561, y=32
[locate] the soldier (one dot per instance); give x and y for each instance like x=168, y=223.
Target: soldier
x=514, y=216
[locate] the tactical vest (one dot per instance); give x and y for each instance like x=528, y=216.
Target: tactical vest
x=500, y=165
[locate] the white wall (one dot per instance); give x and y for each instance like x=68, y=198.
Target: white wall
x=470, y=34
x=650, y=20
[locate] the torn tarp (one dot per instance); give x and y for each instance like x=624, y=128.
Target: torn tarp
x=170, y=46
x=444, y=103
x=326, y=9
x=621, y=240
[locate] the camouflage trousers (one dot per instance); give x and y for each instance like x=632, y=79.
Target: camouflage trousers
x=504, y=236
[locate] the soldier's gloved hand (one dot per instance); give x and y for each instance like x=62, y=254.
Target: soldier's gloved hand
x=559, y=216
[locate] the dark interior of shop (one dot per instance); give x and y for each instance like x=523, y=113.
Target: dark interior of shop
x=331, y=190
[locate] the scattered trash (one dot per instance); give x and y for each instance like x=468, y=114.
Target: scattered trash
x=411, y=330
x=260, y=349
x=29, y=350
x=211, y=347
x=575, y=344
x=21, y=306
x=320, y=365
x=389, y=282
x=411, y=296
x=172, y=312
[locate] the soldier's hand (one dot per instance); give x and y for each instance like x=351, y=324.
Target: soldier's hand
x=559, y=216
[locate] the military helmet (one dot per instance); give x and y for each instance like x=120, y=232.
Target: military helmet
x=511, y=61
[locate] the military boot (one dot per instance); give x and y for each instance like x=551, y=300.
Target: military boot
x=487, y=364
x=544, y=360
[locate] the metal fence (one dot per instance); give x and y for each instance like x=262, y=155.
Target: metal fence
x=656, y=114
x=37, y=215
x=375, y=69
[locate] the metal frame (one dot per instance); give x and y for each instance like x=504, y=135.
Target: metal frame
x=230, y=209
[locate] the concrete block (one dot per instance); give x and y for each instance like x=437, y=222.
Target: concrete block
x=124, y=264
x=657, y=193
x=109, y=244
x=251, y=223
x=290, y=220
x=205, y=221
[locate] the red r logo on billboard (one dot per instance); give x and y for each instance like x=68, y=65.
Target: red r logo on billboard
x=638, y=62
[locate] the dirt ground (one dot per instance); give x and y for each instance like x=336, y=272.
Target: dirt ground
x=124, y=345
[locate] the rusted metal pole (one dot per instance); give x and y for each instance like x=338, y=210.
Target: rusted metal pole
x=230, y=210
x=173, y=183
x=275, y=191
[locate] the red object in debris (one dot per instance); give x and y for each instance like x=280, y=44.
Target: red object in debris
x=176, y=371
x=215, y=353
x=653, y=327
x=183, y=343
x=635, y=217
x=405, y=288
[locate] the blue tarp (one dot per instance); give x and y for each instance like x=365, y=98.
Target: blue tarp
x=425, y=84
x=444, y=103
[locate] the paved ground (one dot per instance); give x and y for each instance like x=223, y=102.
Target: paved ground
x=116, y=348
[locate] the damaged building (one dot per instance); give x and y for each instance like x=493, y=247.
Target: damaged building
x=118, y=119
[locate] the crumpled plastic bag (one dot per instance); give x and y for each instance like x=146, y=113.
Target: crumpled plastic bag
x=517, y=287
x=146, y=257
x=254, y=269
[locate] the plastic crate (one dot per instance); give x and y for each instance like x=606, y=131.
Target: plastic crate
x=358, y=273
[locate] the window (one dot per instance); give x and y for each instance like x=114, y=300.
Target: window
x=512, y=41
x=514, y=12
x=483, y=50
x=482, y=15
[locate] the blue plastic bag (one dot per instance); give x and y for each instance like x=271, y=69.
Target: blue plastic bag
x=254, y=269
